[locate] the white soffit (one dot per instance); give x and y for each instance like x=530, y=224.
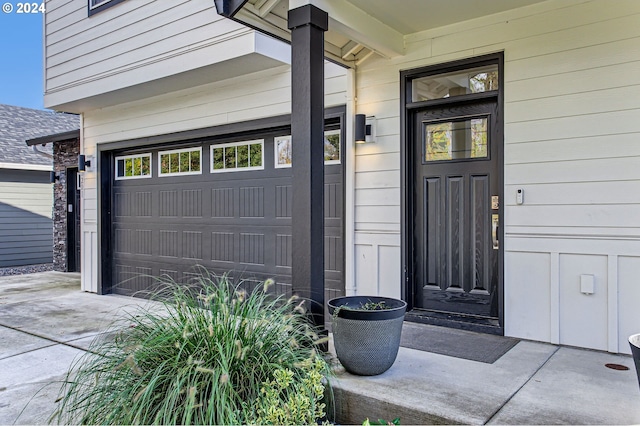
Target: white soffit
x=358, y=28
x=412, y=16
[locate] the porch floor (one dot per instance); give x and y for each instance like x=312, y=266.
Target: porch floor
x=533, y=383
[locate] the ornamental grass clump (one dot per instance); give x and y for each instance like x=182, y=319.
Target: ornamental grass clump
x=212, y=354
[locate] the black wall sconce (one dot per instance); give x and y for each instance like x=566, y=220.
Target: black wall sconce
x=53, y=177
x=365, y=128
x=83, y=162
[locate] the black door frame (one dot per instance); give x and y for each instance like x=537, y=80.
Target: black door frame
x=106, y=167
x=408, y=109
x=73, y=219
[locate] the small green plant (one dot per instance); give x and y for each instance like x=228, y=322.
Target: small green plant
x=210, y=354
x=364, y=306
x=373, y=306
x=286, y=401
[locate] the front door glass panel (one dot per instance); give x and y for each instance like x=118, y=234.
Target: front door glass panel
x=455, y=140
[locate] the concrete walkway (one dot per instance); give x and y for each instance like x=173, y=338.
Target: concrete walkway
x=46, y=322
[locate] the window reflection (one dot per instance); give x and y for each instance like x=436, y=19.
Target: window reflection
x=455, y=140
x=475, y=80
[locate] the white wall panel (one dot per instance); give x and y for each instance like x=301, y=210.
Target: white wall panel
x=628, y=299
x=528, y=283
x=377, y=264
x=583, y=317
x=389, y=271
x=366, y=279
x=89, y=258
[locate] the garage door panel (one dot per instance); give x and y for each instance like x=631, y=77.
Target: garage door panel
x=236, y=223
x=222, y=203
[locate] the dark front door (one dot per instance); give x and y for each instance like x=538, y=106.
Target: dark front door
x=457, y=188
x=73, y=221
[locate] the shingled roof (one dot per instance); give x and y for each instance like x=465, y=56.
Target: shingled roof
x=17, y=124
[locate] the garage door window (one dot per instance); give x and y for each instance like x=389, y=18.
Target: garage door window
x=237, y=156
x=331, y=149
x=181, y=162
x=133, y=166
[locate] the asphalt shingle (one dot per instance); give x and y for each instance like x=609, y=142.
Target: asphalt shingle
x=18, y=124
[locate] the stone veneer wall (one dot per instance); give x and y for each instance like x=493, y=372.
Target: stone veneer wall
x=65, y=154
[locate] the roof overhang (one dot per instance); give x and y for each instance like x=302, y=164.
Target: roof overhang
x=30, y=167
x=58, y=137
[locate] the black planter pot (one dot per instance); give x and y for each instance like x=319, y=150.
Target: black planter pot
x=366, y=341
x=634, y=342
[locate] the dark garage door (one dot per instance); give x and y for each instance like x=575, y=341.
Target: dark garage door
x=225, y=205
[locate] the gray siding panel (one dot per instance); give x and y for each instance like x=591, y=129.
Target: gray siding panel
x=26, y=228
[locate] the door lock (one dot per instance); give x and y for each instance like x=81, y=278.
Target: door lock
x=495, y=223
x=495, y=202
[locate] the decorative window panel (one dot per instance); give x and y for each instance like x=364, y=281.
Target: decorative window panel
x=457, y=83
x=237, y=156
x=133, y=166
x=180, y=162
x=455, y=140
x=283, y=149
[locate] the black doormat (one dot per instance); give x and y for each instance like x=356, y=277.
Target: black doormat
x=464, y=344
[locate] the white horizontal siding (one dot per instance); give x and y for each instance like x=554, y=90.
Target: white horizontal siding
x=572, y=102
x=138, y=42
x=233, y=100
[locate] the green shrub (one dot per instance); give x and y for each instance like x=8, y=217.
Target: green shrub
x=212, y=354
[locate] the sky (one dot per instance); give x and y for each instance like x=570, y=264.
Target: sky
x=21, y=74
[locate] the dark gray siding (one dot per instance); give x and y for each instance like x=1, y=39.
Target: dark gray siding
x=26, y=228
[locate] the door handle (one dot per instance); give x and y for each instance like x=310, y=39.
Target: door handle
x=495, y=221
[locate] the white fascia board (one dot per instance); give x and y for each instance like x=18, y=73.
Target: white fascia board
x=34, y=167
x=272, y=48
x=353, y=22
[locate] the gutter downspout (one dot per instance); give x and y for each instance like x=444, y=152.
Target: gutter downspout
x=44, y=154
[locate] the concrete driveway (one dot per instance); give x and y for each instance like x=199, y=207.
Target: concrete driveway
x=46, y=322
